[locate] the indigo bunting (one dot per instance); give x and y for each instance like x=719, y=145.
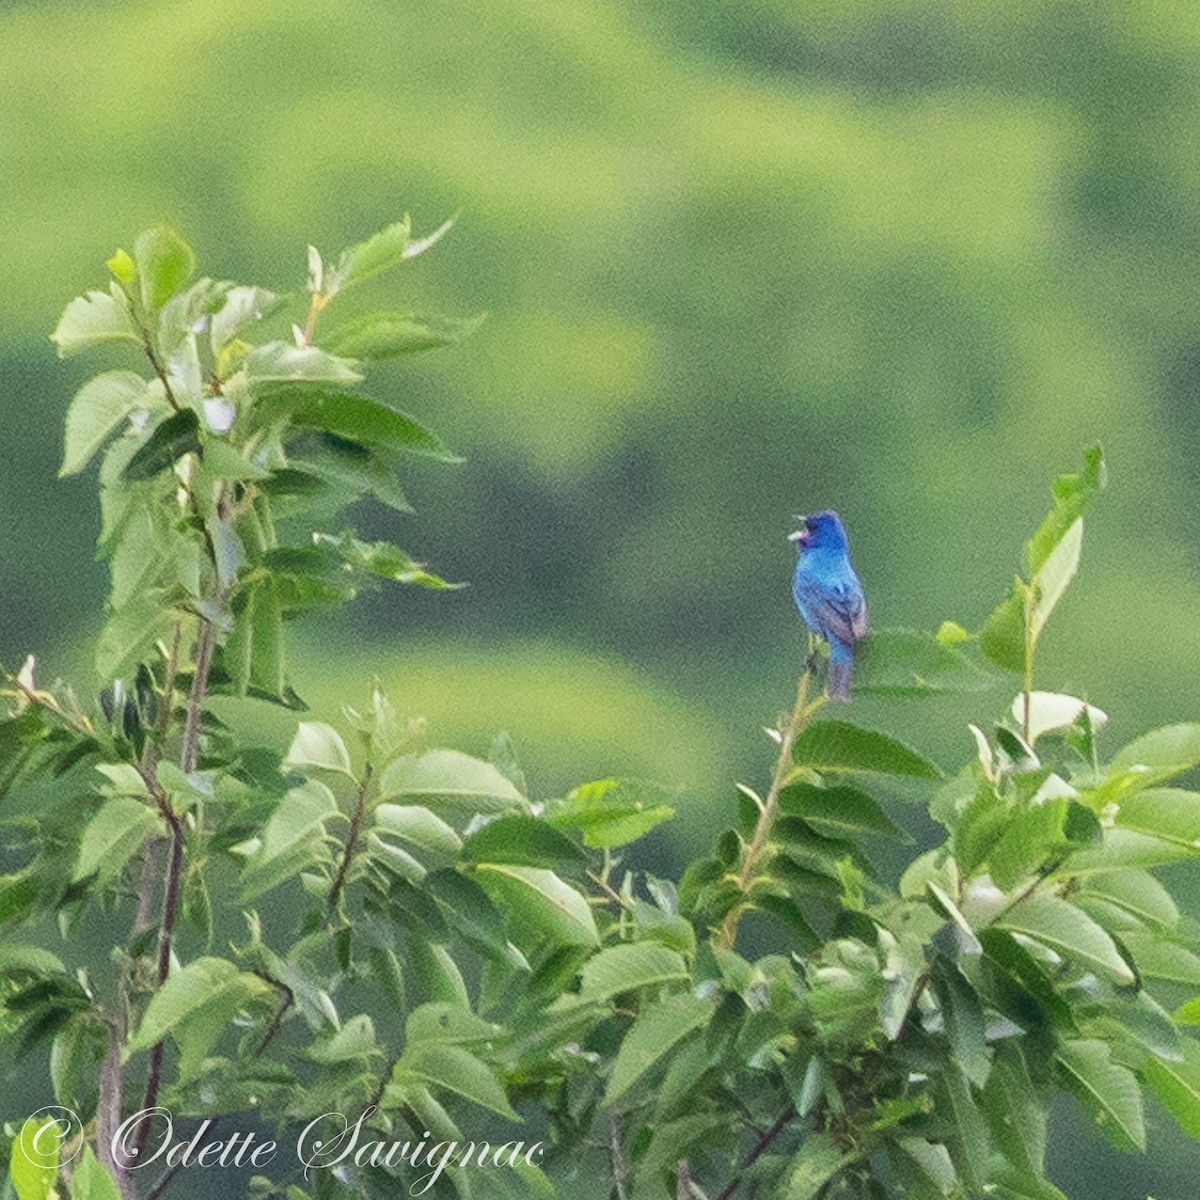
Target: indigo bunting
x=828, y=594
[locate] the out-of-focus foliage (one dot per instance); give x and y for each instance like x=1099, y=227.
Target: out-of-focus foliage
x=428, y=943
x=740, y=257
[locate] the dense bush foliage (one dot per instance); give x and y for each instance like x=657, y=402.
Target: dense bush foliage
x=369, y=924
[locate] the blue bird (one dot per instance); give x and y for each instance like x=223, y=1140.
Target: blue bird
x=828, y=594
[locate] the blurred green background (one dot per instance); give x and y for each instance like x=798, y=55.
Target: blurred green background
x=741, y=259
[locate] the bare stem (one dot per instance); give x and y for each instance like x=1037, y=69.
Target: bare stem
x=619, y=1166
x=356, y=824
x=1027, y=723
x=205, y=645
x=159, y=369
x=760, y=1148
x=753, y=856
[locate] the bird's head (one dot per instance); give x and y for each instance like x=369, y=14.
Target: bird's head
x=822, y=531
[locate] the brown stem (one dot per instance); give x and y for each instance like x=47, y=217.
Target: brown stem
x=189, y=757
x=755, y=852
x=165, y=934
x=683, y=1181
x=619, y=1165
x=763, y=1144
x=159, y=369
x=205, y=645
x=289, y=999
x=356, y=824
x=108, y=1106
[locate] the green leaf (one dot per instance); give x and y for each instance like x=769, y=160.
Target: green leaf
x=385, y=335
x=540, y=903
x=240, y=305
x=98, y=408
x=1011, y=1184
x=113, y=836
x=18, y=960
x=905, y=662
x=350, y=415
x=253, y=655
x=93, y=318
x=971, y=1145
x=1159, y=754
x=1177, y=1085
x=380, y=559
x=1068, y=930
x=1170, y=814
x=1123, y=848
x=165, y=262
x=130, y=634
x=293, y=841
x=448, y=781
x=91, y=1179
x=320, y=747
x=285, y=362
x=1136, y=892
x=817, y=1161
x=1157, y=957
x=1029, y=838
x=924, y=1169
x=611, y=812
x=836, y=746
x=355, y=1040
x=668, y=1143
x=965, y=1022
x=1015, y=1113
x=1071, y=496
x=467, y=907
x=178, y=435
x=1051, y=580
x=441, y=1022
x=1108, y=1092
x=656, y=1032
x=1052, y=711
x=385, y=249
x=19, y=737
x=454, y=1069
x=331, y=462
x=1002, y=639
x=33, y=1159
x=836, y=812
x=627, y=967
x=211, y=989
x=525, y=841
x=417, y=826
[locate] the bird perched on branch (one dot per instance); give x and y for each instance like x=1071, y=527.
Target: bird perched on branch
x=828, y=594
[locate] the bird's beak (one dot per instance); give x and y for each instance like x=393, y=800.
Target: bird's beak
x=801, y=534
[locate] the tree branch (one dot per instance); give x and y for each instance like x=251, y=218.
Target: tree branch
x=755, y=852
x=356, y=823
x=763, y=1144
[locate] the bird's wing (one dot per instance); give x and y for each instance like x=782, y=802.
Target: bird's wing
x=838, y=608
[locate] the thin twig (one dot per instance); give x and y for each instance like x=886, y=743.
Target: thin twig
x=619, y=1165
x=159, y=369
x=754, y=853
x=760, y=1148
x=165, y=934
x=289, y=999
x=205, y=645
x=683, y=1181
x=80, y=725
x=356, y=823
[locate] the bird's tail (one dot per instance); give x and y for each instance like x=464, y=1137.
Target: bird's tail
x=841, y=664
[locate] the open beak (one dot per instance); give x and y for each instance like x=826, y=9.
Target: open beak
x=800, y=537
